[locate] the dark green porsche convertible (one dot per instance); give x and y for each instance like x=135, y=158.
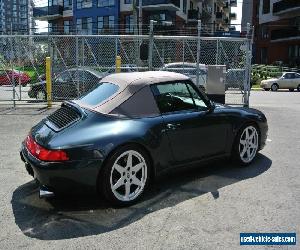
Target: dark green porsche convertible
x=131, y=128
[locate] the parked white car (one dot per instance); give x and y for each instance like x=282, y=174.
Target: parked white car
x=288, y=80
x=190, y=70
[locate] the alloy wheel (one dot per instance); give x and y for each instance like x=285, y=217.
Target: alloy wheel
x=41, y=95
x=248, y=144
x=274, y=87
x=128, y=176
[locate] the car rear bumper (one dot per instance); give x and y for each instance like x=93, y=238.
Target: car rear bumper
x=63, y=177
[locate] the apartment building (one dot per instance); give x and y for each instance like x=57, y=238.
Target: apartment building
x=277, y=31
x=112, y=16
x=80, y=16
x=16, y=16
x=178, y=15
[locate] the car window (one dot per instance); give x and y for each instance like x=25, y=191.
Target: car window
x=199, y=102
x=100, y=93
x=297, y=75
x=175, y=97
x=85, y=76
x=65, y=76
x=289, y=76
x=175, y=66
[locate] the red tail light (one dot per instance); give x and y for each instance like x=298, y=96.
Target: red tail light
x=44, y=154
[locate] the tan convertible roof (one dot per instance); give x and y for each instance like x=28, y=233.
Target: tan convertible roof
x=143, y=78
x=135, y=84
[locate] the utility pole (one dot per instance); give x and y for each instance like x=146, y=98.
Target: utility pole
x=135, y=19
x=140, y=16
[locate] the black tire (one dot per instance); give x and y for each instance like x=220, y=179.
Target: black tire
x=106, y=175
x=298, y=88
x=235, y=155
x=274, y=87
x=291, y=90
x=266, y=89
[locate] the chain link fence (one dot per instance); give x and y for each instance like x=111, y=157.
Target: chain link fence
x=80, y=61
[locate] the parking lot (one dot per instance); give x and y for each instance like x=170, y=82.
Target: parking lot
x=200, y=208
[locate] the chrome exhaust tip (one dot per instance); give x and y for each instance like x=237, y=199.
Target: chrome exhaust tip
x=45, y=193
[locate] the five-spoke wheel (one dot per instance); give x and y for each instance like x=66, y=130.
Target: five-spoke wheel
x=246, y=145
x=126, y=175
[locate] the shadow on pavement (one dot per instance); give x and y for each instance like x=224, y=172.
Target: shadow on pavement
x=71, y=218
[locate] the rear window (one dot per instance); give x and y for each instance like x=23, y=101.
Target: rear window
x=100, y=93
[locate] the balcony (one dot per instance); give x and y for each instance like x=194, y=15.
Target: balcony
x=219, y=15
x=221, y=3
x=285, y=34
x=286, y=6
x=150, y=5
x=193, y=15
x=226, y=7
x=232, y=16
x=233, y=3
x=48, y=12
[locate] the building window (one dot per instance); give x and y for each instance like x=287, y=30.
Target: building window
x=84, y=25
x=129, y=26
x=53, y=2
x=159, y=17
x=67, y=4
x=264, y=32
x=184, y=6
x=67, y=27
x=106, y=24
x=106, y=3
x=128, y=1
x=191, y=5
x=82, y=4
x=266, y=6
x=264, y=55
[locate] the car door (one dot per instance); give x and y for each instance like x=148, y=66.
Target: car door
x=194, y=131
x=285, y=81
x=63, y=85
x=297, y=80
x=293, y=81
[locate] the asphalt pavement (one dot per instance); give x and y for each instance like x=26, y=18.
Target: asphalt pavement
x=200, y=208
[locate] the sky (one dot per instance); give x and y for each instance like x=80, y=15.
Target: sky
x=42, y=25
x=238, y=11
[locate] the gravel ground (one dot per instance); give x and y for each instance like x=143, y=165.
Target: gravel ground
x=202, y=208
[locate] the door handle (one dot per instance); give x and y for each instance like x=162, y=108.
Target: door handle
x=172, y=126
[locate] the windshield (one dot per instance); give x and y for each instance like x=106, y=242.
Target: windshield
x=100, y=93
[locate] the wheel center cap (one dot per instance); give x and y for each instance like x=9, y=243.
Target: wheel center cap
x=128, y=175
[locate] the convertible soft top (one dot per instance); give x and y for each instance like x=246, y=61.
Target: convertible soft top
x=134, y=97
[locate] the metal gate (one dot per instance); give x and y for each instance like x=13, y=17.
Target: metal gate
x=22, y=61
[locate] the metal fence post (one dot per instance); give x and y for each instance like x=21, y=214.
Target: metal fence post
x=247, y=69
x=19, y=64
x=198, y=51
x=83, y=51
x=150, y=52
x=116, y=47
x=77, y=63
x=48, y=82
x=12, y=68
x=217, y=54
x=118, y=64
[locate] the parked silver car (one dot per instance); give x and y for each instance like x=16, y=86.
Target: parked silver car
x=288, y=80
